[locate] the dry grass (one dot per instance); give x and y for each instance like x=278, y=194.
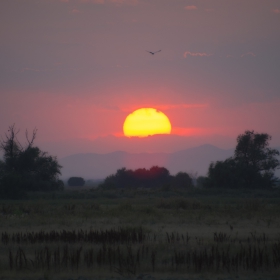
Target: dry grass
x=183, y=233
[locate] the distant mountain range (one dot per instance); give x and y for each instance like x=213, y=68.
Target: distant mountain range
x=165, y=143
x=98, y=166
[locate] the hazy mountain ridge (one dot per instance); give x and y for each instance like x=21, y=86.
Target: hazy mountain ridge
x=97, y=166
x=165, y=143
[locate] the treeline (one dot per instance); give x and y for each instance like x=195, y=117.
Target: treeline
x=147, y=178
x=251, y=167
x=25, y=168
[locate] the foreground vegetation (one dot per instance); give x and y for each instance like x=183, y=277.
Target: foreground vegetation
x=140, y=222
x=129, y=232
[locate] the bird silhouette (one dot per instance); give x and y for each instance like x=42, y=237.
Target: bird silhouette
x=153, y=52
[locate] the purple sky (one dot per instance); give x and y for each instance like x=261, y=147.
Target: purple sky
x=75, y=69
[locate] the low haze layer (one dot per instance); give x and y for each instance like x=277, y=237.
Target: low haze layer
x=195, y=161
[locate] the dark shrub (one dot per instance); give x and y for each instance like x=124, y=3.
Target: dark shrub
x=76, y=182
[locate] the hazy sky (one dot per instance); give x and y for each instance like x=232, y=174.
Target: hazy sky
x=77, y=68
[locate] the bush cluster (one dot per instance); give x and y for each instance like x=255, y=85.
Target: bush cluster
x=154, y=177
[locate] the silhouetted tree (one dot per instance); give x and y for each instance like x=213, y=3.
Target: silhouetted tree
x=76, y=182
x=252, y=166
x=226, y=174
x=182, y=180
x=141, y=177
x=253, y=154
x=201, y=181
x=122, y=179
x=26, y=168
x=153, y=177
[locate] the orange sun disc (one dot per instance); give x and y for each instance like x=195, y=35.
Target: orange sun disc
x=146, y=121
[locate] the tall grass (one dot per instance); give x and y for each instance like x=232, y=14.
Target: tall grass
x=131, y=232
x=130, y=251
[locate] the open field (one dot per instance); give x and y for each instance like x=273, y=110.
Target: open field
x=196, y=234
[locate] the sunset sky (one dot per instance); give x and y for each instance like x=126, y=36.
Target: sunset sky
x=76, y=68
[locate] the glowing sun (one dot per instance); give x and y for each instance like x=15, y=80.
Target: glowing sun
x=146, y=121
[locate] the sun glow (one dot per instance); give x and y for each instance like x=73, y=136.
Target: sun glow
x=146, y=121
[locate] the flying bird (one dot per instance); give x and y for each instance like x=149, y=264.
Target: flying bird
x=153, y=52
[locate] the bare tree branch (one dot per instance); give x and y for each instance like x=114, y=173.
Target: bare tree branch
x=10, y=144
x=30, y=142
